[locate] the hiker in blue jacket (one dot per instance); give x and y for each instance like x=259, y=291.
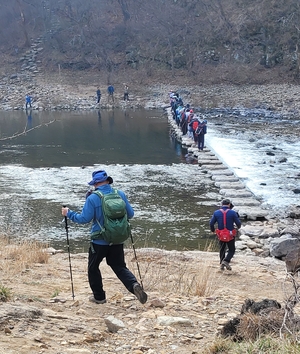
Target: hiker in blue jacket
x=28, y=100
x=98, y=93
x=99, y=249
x=231, y=220
x=110, y=91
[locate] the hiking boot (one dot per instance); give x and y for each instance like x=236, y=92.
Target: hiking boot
x=92, y=299
x=222, y=267
x=139, y=293
x=226, y=265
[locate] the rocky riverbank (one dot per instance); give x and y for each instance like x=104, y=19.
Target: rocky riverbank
x=182, y=315
x=67, y=90
x=189, y=301
x=63, y=91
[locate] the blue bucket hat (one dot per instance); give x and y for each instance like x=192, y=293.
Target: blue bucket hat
x=100, y=176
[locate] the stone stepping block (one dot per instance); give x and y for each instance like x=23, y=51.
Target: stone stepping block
x=226, y=185
x=224, y=178
x=222, y=172
x=245, y=202
x=252, y=213
x=187, y=140
x=186, y=143
x=230, y=193
x=206, y=154
x=202, y=156
x=213, y=167
x=209, y=161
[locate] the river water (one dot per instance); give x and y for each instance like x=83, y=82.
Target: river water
x=50, y=166
x=263, y=150
x=173, y=200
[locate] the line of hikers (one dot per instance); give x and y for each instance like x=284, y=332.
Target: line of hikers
x=190, y=124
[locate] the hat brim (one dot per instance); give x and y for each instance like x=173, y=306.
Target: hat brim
x=94, y=181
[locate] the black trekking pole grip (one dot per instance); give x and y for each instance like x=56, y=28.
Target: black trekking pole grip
x=66, y=223
x=68, y=244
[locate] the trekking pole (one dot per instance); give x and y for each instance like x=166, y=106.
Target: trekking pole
x=137, y=263
x=68, y=243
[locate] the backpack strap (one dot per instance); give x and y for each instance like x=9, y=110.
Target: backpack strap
x=100, y=194
x=224, y=216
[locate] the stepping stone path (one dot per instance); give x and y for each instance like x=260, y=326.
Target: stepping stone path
x=229, y=185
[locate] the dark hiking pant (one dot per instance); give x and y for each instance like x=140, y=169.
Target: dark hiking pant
x=115, y=259
x=231, y=250
x=200, y=141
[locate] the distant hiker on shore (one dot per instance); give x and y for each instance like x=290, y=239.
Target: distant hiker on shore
x=110, y=91
x=126, y=93
x=106, y=235
x=98, y=93
x=28, y=100
x=225, y=218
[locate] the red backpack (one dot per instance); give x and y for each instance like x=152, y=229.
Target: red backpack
x=225, y=235
x=195, y=125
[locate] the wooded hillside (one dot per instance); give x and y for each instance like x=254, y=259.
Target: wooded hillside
x=211, y=41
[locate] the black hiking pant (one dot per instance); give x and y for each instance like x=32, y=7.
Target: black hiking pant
x=231, y=250
x=200, y=141
x=115, y=259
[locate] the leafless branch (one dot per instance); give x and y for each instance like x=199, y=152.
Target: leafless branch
x=290, y=303
x=25, y=131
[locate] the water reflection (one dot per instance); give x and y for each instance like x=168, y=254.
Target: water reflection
x=51, y=165
x=77, y=139
x=29, y=118
x=99, y=118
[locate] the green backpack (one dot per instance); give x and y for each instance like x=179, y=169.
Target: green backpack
x=116, y=228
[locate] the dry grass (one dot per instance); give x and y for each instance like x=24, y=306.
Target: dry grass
x=19, y=256
x=263, y=345
x=252, y=327
x=5, y=293
x=169, y=273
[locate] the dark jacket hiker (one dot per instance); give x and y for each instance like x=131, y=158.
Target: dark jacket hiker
x=231, y=220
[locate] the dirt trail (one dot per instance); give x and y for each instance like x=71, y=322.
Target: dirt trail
x=35, y=321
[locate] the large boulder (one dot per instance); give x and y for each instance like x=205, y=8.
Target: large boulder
x=259, y=230
x=292, y=260
x=294, y=211
x=281, y=246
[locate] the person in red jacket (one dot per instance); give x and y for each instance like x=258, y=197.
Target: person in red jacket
x=231, y=219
